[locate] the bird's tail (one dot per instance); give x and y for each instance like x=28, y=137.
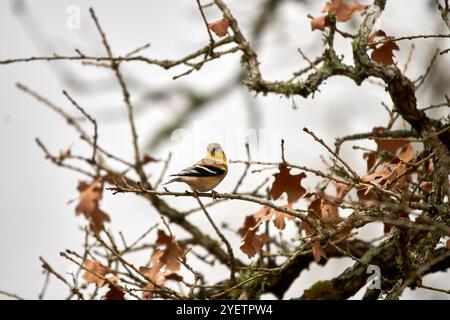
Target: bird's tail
x=172, y=180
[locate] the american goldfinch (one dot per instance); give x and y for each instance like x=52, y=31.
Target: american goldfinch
x=206, y=174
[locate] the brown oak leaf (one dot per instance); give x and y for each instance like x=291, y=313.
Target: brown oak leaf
x=147, y=159
x=154, y=273
x=407, y=153
x=287, y=183
x=266, y=214
x=388, y=144
x=327, y=213
x=94, y=269
x=114, y=293
x=249, y=222
x=318, y=252
x=174, y=277
x=320, y=22
x=371, y=158
x=341, y=189
x=88, y=205
x=172, y=252
x=384, y=52
x=219, y=27
x=253, y=242
x=344, y=11
x=280, y=218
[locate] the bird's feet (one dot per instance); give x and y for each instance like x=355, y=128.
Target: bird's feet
x=214, y=194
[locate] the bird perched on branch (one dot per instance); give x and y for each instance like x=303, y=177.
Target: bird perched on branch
x=206, y=174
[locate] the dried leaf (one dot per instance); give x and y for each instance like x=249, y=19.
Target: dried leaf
x=95, y=267
x=344, y=11
x=153, y=273
x=341, y=189
x=426, y=185
x=279, y=220
x=320, y=22
x=266, y=214
x=174, y=277
x=147, y=159
x=318, y=252
x=379, y=175
x=114, y=293
x=314, y=213
x=366, y=194
x=88, y=205
x=371, y=158
x=261, y=214
x=388, y=144
x=171, y=253
x=407, y=153
x=329, y=212
x=249, y=222
x=219, y=27
x=253, y=242
x=382, y=53
x=287, y=183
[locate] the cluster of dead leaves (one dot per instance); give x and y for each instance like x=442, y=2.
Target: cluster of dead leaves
x=96, y=273
x=390, y=173
x=389, y=168
x=321, y=208
x=284, y=182
x=164, y=263
x=382, y=52
x=342, y=10
x=89, y=202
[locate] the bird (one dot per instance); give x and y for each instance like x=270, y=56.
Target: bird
x=207, y=173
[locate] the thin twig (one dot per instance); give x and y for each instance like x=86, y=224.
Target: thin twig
x=91, y=119
x=232, y=261
x=420, y=36
x=60, y=163
x=247, y=167
x=211, y=39
x=354, y=174
x=137, y=50
x=422, y=78
x=434, y=289
x=164, y=170
x=49, y=269
x=126, y=97
x=45, y=285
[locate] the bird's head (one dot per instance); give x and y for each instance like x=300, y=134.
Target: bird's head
x=215, y=153
x=213, y=147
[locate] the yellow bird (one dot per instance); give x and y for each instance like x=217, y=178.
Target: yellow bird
x=206, y=174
